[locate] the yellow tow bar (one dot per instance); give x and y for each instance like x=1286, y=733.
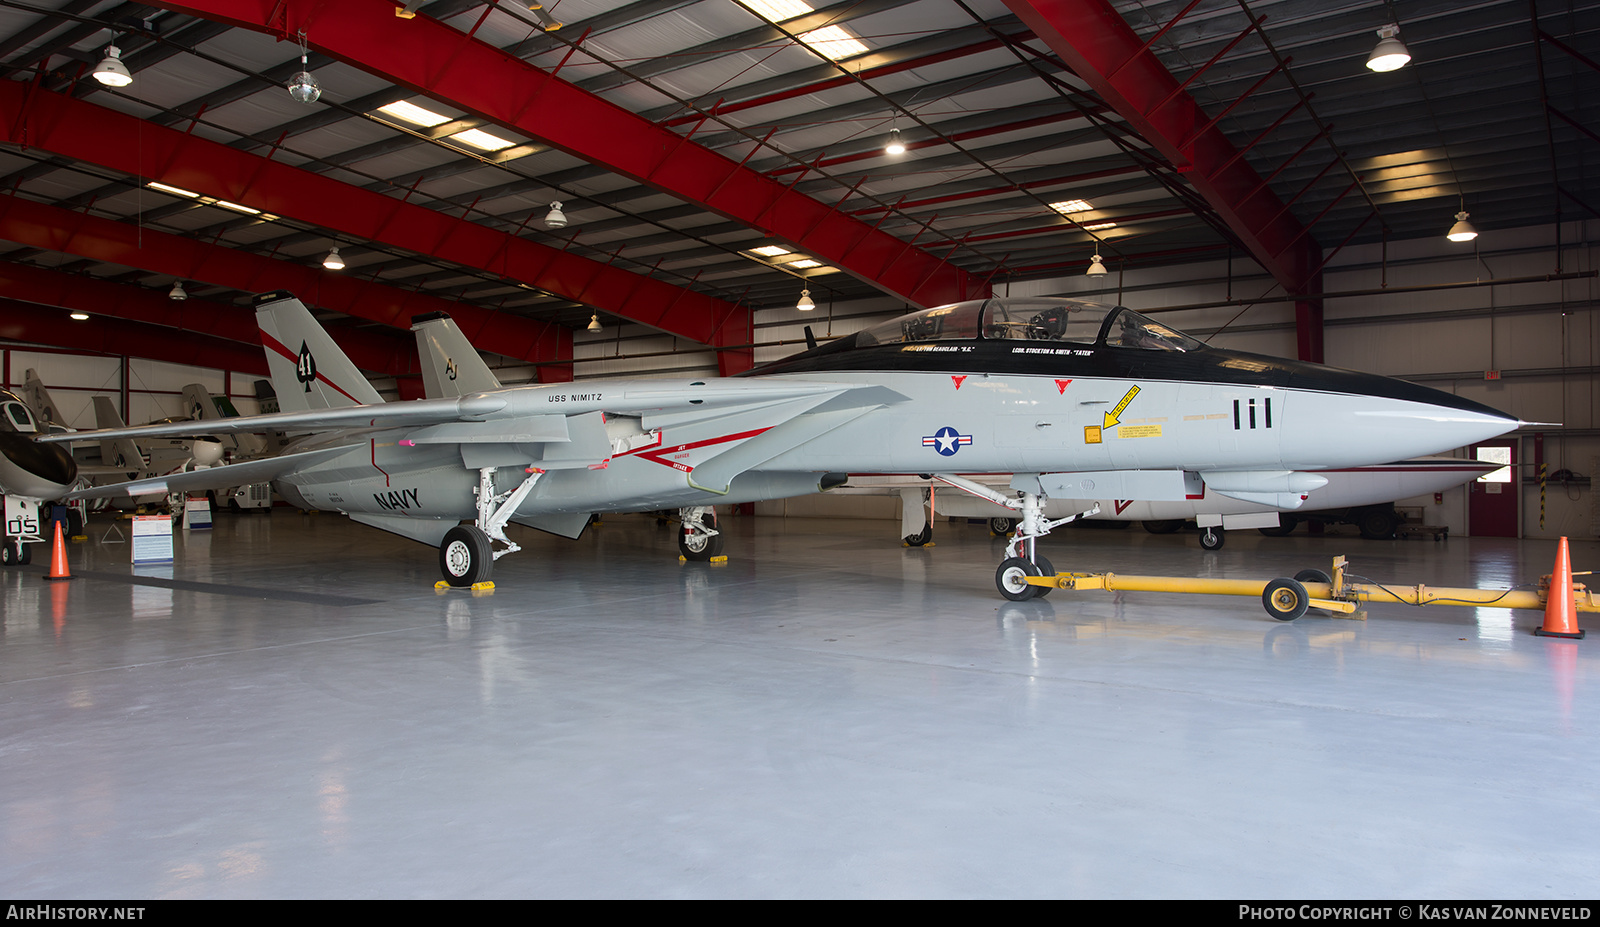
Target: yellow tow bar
x=1287, y=599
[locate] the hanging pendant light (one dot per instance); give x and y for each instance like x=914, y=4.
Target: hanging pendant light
x=111, y=71
x=805, y=304
x=1096, y=268
x=1462, y=230
x=177, y=292
x=894, y=146
x=333, y=261
x=594, y=323
x=555, y=218
x=1390, y=54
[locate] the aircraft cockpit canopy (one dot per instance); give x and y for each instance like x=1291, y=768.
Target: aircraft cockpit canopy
x=14, y=416
x=1031, y=319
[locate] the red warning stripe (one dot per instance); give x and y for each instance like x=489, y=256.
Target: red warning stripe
x=274, y=345
x=655, y=453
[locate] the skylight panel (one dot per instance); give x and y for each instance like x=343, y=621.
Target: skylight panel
x=776, y=11
x=833, y=43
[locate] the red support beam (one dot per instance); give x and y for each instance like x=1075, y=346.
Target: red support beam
x=97, y=135
x=37, y=325
x=1093, y=40
x=68, y=232
x=394, y=356
x=430, y=57
x=842, y=80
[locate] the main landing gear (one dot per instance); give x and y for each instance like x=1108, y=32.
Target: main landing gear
x=699, y=540
x=467, y=556
x=1022, y=557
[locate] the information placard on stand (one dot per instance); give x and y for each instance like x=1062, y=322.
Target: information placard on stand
x=152, y=539
x=197, y=512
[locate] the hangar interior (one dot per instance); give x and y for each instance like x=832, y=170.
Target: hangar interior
x=602, y=188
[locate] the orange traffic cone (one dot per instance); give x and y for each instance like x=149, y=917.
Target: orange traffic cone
x=1560, y=610
x=58, y=556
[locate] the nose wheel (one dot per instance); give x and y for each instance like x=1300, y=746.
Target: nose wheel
x=1011, y=578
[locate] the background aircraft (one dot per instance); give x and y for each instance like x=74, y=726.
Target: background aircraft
x=1078, y=400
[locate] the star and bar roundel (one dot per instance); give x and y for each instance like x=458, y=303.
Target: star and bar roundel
x=946, y=441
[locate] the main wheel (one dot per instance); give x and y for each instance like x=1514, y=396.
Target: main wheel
x=1163, y=527
x=1045, y=569
x=1376, y=522
x=9, y=552
x=1011, y=579
x=702, y=547
x=921, y=538
x=1211, y=539
x=1286, y=524
x=466, y=556
x=1002, y=526
x=1285, y=599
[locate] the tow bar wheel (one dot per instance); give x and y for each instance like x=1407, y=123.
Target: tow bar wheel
x=1285, y=599
x=1012, y=579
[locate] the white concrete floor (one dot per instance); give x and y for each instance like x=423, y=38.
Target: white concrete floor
x=290, y=710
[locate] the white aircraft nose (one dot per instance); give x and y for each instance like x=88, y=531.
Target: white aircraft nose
x=1347, y=430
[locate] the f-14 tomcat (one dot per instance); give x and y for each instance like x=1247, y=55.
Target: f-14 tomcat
x=1079, y=400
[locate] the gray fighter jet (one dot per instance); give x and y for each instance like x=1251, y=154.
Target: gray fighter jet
x=1079, y=400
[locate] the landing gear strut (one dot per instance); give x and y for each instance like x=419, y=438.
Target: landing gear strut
x=1022, y=557
x=467, y=555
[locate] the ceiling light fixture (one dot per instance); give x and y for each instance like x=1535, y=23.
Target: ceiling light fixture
x=805, y=304
x=546, y=22
x=177, y=292
x=333, y=261
x=1390, y=54
x=895, y=146
x=1095, y=268
x=412, y=113
x=303, y=88
x=556, y=219
x=111, y=71
x=79, y=316
x=594, y=323
x=1462, y=230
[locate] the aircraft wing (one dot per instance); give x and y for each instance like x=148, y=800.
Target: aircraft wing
x=219, y=477
x=524, y=412
x=422, y=412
